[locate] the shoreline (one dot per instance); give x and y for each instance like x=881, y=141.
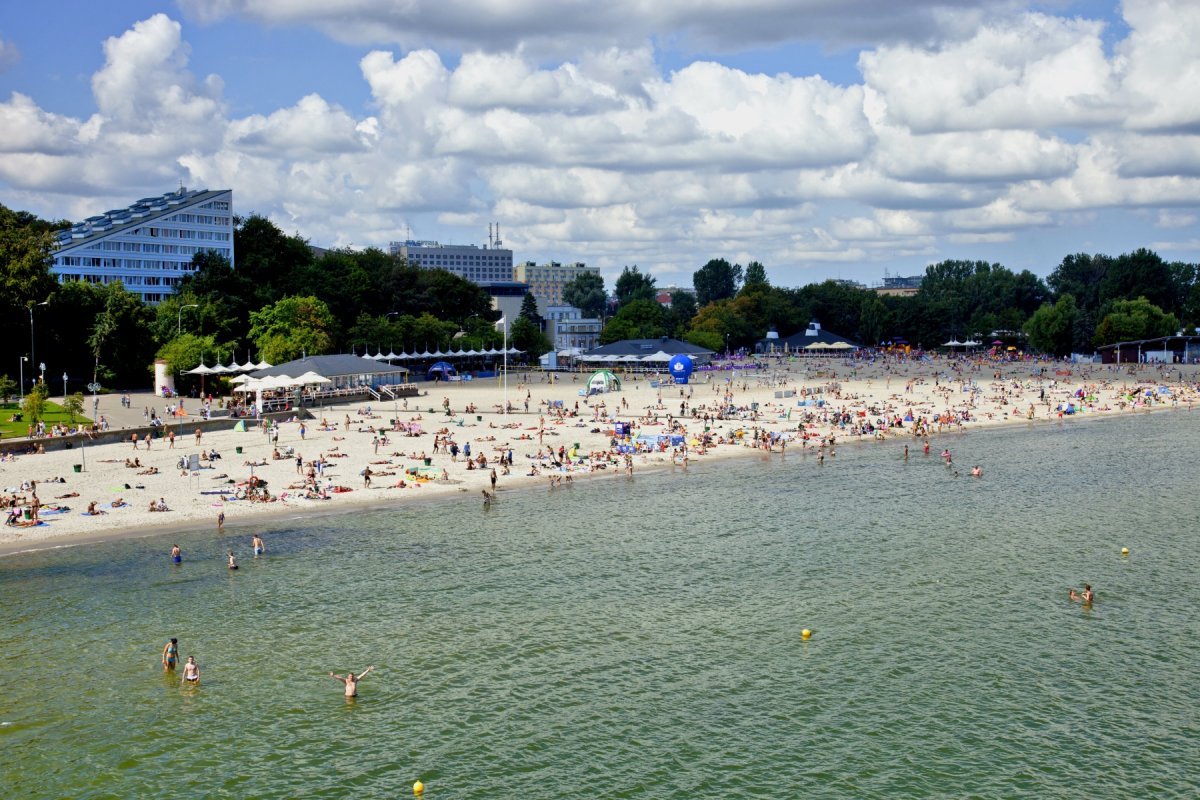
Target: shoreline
x=194, y=511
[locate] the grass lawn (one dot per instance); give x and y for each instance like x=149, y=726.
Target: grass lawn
x=54, y=415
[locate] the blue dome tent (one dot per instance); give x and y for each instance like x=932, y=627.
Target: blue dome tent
x=442, y=370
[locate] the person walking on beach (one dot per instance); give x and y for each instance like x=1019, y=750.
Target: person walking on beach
x=191, y=671
x=351, y=680
x=367, y=477
x=221, y=521
x=493, y=479
x=170, y=655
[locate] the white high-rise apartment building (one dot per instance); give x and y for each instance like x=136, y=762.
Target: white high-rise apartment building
x=148, y=246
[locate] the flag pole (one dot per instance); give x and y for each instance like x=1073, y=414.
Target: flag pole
x=505, y=321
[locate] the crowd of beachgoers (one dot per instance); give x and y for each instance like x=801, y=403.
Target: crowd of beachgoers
x=484, y=437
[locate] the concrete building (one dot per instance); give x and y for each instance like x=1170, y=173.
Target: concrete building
x=507, y=297
x=546, y=281
x=482, y=265
x=899, y=286
x=569, y=329
x=149, y=245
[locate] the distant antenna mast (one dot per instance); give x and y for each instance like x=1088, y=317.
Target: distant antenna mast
x=490, y=240
x=498, y=242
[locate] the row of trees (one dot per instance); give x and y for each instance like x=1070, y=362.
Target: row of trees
x=284, y=299
x=1087, y=300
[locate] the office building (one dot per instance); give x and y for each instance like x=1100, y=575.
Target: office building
x=148, y=246
x=546, y=281
x=488, y=264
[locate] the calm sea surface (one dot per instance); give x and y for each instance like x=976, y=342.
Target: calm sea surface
x=641, y=638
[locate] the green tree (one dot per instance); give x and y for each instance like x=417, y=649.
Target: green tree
x=1128, y=320
x=1141, y=274
x=634, y=285
x=8, y=387
x=527, y=336
x=679, y=316
x=74, y=406
x=189, y=349
x=586, y=292
x=637, y=319
x=873, y=321
x=706, y=339
x=756, y=278
x=1080, y=276
x=1051, y=329
x=119, y=346
x=34, y=406
x=529, y=310
x=291, y=327
x=716, y=280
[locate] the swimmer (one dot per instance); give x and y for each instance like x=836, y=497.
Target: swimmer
x=351, y=680
x=232, y=561
x=170, y=655
x=176, y=554
x=191, y=671
x=259, y=547
x=1086, y=596
x=976, y=471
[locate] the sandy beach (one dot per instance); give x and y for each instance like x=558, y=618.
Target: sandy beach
x=888, y=400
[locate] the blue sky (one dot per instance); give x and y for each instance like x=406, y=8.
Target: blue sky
x=825, y=140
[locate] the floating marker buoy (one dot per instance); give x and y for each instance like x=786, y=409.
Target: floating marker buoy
x=418, y=788
x=806, y=634
x=1124, y=551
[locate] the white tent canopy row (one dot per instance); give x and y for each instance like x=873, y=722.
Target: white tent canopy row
x=279, y=382
x=438, y=354
x=220, y=369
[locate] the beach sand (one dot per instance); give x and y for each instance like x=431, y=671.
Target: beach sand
x=939, y=390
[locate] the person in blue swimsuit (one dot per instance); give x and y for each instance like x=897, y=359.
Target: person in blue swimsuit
x=259, y=547
x=170, y=655
x=176, y=554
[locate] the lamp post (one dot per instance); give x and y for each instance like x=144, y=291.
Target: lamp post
x=64, y=388
x=22, y=367
x=179, y=317
x=32, y=349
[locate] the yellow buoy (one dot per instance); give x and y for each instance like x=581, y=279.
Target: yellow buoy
x=1124, y=551
x=418, y=788
x=806, y=634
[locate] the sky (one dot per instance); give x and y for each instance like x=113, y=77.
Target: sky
x=824, y=138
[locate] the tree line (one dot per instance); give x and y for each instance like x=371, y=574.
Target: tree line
x=1085, y=302
x=284, y=299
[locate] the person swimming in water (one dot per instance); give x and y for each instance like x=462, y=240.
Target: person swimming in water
x=351, y=680
x=170, y=655
x=232, y=561
x=1087, y=596
x=176, y=554
x=191, y=671
x=259, y=547
x=976, y=471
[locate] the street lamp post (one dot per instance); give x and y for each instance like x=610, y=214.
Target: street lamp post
x=32, y=349
x=179, y=317
x=22, y=366
x=64, y=388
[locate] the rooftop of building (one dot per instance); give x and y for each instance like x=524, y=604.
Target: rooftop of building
x=145, y=210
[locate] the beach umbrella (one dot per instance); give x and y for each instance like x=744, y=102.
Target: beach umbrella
x=200, y=370
x=311, y=377
x=262, y=365
x=391, y=356
x=219, y=369
x=240, y=379
x=661, y=355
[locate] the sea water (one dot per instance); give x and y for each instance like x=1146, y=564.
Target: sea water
x=641, y=637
